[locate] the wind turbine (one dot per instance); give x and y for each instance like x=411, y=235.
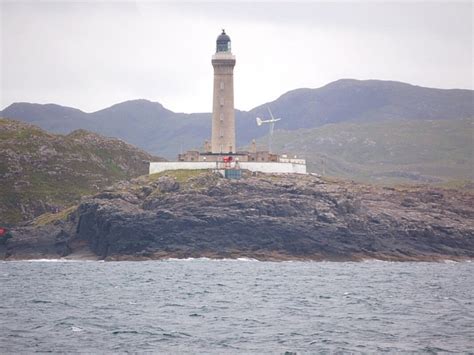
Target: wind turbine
x=271, y=122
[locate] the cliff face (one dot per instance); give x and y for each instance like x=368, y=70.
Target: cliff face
x=194, y=214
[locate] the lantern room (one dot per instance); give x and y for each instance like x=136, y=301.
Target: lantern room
x=223, y=43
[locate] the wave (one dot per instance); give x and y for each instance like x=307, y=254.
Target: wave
x=54, y=261
x=207, y=259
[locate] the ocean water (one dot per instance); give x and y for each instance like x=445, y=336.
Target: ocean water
x=236, y=306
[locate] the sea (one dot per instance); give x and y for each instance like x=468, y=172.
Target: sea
x=236, y=306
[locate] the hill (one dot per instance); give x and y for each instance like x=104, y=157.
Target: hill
x=364, y=100
x=143, y=123
x=158, y=130
x=51, y=117
x=42, y=172
x=385, y=151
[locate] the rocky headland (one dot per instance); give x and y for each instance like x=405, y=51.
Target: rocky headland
x=43, y=172
x=185, y=214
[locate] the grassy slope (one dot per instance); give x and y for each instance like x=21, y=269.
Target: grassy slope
x=183, y=177
x=43, y=172
x=388, y=151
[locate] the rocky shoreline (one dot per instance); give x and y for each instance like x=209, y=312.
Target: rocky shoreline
x=195, y=214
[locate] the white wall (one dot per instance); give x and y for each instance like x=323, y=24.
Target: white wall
x=268, y=167
x=292, y=160
x=264, y=167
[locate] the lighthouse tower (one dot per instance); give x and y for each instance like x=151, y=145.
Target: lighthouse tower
x=223, y=117
x=220, y=154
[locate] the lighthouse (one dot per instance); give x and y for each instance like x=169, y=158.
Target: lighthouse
x=220, y=154
x=223, y=117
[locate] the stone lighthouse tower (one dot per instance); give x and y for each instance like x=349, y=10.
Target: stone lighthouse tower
x=223, y=117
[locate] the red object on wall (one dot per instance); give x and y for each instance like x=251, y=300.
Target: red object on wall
x=3, y=231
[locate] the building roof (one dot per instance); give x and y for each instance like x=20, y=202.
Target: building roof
x=223, y=38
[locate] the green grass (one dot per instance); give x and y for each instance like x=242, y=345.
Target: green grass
x=458, y=184
x=48, y=218
x=385, y=151
x=41, y=169
x=182, y=176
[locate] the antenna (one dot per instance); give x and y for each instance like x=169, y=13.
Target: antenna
x=271, y=122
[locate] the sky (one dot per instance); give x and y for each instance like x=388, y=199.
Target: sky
x=93, y=54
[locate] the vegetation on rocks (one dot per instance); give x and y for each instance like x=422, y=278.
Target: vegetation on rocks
x=43, y=172
x=268, y=217
x=417, y=151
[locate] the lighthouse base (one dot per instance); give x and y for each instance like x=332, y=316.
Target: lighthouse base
x=263, y=167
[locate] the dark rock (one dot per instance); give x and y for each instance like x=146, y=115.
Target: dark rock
x=166, y=184
x=62, y=244
x=327, y=217
x=146, y=190
x=408, y=202
x=3, y=251
x=348, y=205
x=267, y=217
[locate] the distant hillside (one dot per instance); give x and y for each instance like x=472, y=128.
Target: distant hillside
x=361, y=100
x=152, y=127
x=143, y=123
x=387, y=151
x=42, y=172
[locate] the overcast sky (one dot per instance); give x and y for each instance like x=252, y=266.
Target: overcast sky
x=91, y=55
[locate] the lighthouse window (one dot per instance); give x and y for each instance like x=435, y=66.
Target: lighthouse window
x=221, y=117
x=222, y=101
x=222, y=85
x=221, y=134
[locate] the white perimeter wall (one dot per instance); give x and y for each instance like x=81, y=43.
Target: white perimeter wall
x=264, y=167
x=282, y=168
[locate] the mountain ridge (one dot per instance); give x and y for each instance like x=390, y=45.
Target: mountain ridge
x=139, y=121
x=306, y=89
x=152, y=127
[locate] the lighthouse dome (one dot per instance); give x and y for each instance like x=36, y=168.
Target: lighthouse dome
x=223, y=42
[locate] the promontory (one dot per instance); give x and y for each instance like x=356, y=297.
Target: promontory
x=184, y=214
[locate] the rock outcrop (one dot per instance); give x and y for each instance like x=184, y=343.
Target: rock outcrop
x=42, y=172
x=268, y=217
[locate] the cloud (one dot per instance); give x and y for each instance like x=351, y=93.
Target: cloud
x=93, y=54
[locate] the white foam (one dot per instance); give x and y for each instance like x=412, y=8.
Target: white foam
x=209, y=259
x=448, y=261
x=54, y=261
x=246, y=259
